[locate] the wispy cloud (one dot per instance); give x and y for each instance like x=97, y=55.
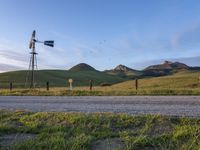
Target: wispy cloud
x=5, y=68
x=11, y=57
x=187, y=37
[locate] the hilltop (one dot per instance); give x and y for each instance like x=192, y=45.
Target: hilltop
x=124, y=72
x=167, y=65
x=82, y=67
x=165, y=68
x=122, y=68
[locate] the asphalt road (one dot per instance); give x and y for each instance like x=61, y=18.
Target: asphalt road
x=165, y=105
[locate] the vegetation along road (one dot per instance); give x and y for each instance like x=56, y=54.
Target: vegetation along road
x=165, y=105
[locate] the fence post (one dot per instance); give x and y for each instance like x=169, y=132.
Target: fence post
x=136, y=84
x=90, y=84
x=199, y=80
x=47, y=85
x=11, y=86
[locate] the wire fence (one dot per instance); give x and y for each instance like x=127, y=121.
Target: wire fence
x=13, y=85
x=16, y=85
x=136, y=85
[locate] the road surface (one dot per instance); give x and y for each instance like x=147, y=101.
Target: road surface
x=165, y=105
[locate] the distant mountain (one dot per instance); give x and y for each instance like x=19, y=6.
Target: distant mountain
x=82, y=67
x=122, y=68
x=124, y=72
x=166, y=68
x=168, y=65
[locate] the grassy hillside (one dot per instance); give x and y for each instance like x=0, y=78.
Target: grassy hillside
x=59, y=77
x=180, y=80
x=182, y=83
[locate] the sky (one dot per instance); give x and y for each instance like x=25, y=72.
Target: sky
x=101, y=33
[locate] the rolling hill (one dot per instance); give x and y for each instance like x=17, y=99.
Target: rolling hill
x=82, y=67
x=81, y=74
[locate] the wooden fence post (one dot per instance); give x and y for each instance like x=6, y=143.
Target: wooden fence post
x=47, y=85
x=136, y=84
x=90, y=84
x=11, y=86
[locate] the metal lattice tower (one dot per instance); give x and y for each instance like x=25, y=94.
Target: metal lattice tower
x=33, y=59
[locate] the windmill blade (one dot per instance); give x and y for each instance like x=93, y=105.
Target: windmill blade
x=49, y=43
x=32, y=40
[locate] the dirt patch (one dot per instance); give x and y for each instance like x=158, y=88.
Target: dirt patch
x=15, y=124
x=21, y=110
x=159, y=128
x=108, y=144
x=9, y=139
x=150, y=148
x=195, y=85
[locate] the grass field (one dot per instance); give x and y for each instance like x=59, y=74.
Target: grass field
x=182, y=83
x=77, y=131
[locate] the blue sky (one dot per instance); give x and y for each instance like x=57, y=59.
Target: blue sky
x=102, y=33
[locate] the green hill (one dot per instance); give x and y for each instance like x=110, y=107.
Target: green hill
x=59, y=78
x=185, y=79
x=82, y=67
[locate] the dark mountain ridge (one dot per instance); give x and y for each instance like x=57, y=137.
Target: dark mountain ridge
x=168, y=65
x=165, y=68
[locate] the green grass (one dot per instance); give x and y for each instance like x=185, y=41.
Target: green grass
x=99, y=92
x=77, y=131
x=180, y=80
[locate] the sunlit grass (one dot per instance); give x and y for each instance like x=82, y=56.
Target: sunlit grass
x=78, y=131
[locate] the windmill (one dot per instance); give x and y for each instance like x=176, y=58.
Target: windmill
x=33, y=60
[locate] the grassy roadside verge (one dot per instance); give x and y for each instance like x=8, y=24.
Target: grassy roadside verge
x=98, y=92
x=78, y=131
